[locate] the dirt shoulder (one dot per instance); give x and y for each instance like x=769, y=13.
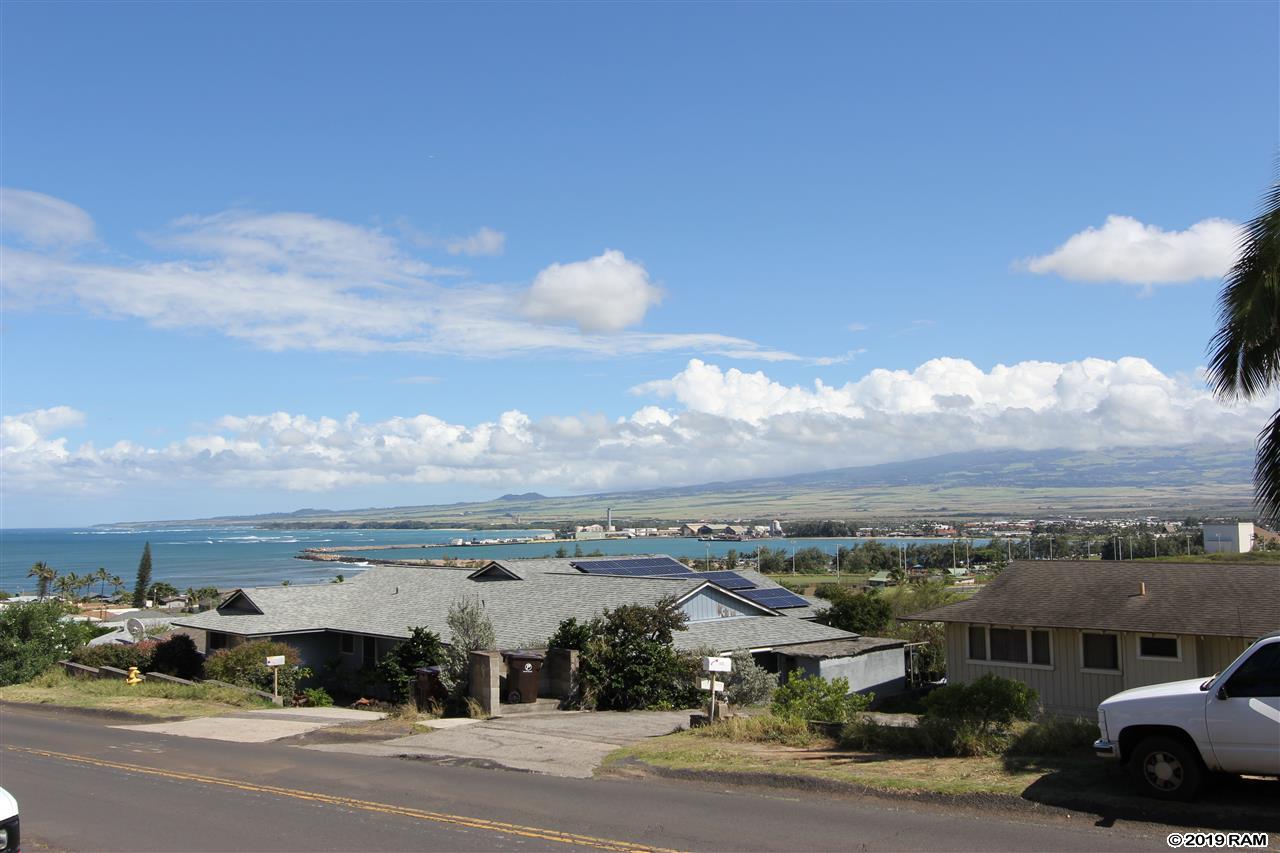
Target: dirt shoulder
x=1078, y=785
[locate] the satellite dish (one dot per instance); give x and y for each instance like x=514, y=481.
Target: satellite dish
x=136, y=629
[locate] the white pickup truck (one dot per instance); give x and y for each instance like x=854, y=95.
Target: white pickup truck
x=1172, y=735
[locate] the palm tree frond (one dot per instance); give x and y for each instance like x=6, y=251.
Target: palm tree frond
x=1244, y=354
x=1266, y=471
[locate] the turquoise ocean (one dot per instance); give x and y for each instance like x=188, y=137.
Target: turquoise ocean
x=228, y=557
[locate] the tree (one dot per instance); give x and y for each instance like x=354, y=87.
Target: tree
x=143, y=582
x=471, y=631
x=102, y=576
x=44, y=575
x=161, y=590
x=398, y=667
x=1244, y=359
x=562, y=552
x=730, y=560
x=33, y=636
x=857, y=612
x=629, y=662
x=67, y=585
x=246, y=665
x=570, y=634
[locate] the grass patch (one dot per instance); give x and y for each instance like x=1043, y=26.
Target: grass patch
x=152, y=698
x=690, y=751
x=1248, y=557
x=765, y=728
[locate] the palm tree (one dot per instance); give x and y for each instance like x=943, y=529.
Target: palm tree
x=101, y=576
x=44, y=575
x=66, y=584
x=1244, y=355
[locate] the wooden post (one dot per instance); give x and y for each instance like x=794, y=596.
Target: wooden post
x=275, y=681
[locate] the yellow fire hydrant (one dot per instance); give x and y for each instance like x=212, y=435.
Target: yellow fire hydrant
x=134, y=677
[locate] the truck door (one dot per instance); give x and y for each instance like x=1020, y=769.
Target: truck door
x=1243, y=714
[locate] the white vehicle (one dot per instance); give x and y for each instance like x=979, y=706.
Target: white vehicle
x=10, y=837
x=1172, y=735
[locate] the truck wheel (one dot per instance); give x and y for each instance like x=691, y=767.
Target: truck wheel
x=1166, y=768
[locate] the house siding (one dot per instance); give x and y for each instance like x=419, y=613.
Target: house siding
x=713, y=604
x=1065, y=689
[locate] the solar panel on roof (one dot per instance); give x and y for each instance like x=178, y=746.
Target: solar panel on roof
x=639, y=567
x=778, y=599
x=728, y=580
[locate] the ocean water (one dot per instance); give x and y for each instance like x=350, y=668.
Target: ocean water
x=228, y=557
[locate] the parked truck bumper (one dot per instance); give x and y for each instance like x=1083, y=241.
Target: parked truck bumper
x=1107, y=749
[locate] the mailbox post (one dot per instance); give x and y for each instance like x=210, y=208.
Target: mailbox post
x=712, y=666
x=275, y=662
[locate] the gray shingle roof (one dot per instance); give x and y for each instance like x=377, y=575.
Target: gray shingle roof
x=756, y=632
x=1211, y=599
x=387, y=600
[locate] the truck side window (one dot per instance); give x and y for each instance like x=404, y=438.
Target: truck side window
x=1259, y=675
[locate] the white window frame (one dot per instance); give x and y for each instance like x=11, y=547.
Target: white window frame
x=986, y=630
x=342, y=638
x=1119, y=670
x=1177, y=639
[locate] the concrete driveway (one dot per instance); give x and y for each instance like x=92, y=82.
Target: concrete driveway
x=563, y=743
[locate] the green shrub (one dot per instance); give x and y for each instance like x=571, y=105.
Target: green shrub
x=765, y=728
x=398, y=667
x=815, y=698
x=317, y=697
x=570, y=634
x=629, y=662
x=178, y=656
x=1054, y=736
x=471, y=631
x=246, y=666
x=748, y=683
x=858, y=612
x=990, y=704
x=119, y=655
x=34, y=636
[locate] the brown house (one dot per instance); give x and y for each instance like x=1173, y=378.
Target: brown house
x=1080, y=631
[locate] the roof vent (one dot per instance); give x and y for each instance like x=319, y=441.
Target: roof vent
x=1142, y=588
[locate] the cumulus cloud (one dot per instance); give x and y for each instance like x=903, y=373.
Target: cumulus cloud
x=1127, y=251
x=605, y=294
x=288, y=281
x=43, y=220
x=716, y=424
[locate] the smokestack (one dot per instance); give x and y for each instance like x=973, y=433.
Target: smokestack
x=608, y=520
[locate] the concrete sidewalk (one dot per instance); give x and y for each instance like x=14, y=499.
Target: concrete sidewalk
x=258, y=726
x=564, y=743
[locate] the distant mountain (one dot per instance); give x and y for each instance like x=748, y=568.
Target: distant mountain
x=1202, y=480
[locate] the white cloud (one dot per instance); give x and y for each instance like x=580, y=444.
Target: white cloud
x=296, y=281
x=1127, y=251
x=720, y=424
x=419, y=380
x=605, y=294
x=486, y=241
x=42, y=219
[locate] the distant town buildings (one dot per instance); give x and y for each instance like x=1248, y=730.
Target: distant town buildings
x=1234, y=538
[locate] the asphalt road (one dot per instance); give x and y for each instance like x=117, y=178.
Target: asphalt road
x=83, y=786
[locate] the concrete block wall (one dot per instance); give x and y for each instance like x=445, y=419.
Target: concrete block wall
x=484, y=680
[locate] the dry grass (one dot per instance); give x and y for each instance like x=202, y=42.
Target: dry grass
x=151, y=698
x=689, y=751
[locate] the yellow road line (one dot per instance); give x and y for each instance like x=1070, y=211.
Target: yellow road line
x=363, y=805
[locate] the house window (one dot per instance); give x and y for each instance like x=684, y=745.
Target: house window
x=1010, y=645
x=370, y=651
x=217, y=640
x=347, y=644
x=1100, y=651
x=977, y=642
x=1159, y=648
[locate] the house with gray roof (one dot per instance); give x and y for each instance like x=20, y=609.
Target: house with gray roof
x=350, y=625
x=1080, y=631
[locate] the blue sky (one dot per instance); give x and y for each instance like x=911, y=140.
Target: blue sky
x=577, y=213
